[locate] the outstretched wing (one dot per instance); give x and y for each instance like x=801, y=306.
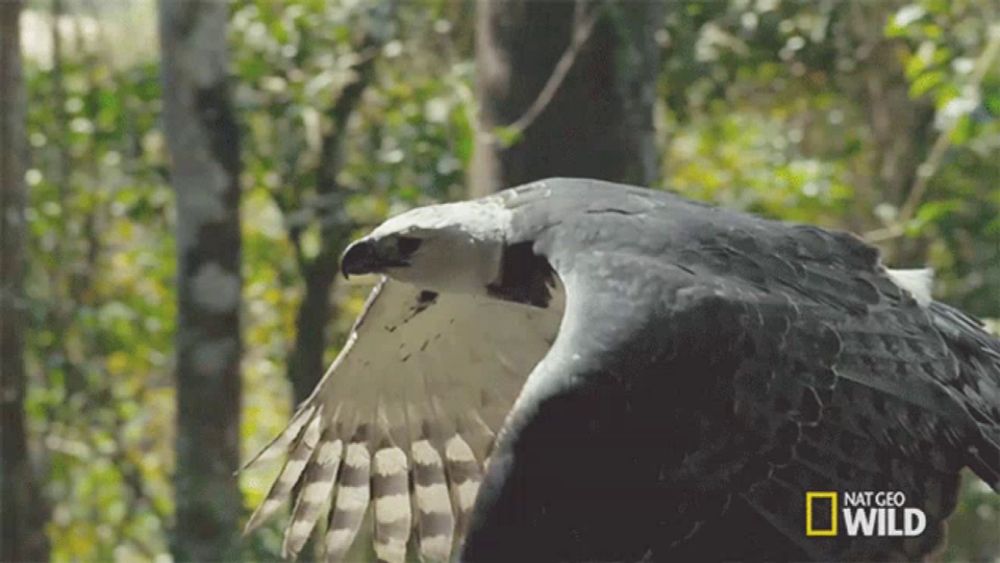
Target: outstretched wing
x=712, y=365
x=418, y=393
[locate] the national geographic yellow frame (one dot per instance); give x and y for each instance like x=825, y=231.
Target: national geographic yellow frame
x=812, y=495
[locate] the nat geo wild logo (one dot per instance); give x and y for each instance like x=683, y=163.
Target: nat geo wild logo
x=862, y=513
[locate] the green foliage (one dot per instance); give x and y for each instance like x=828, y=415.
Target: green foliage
x=409, y=138
x=825, y=112
x=101, y=304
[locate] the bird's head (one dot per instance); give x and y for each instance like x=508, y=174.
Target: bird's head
x=452, y=247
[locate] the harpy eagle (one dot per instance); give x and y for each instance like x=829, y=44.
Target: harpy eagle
x=574, y=370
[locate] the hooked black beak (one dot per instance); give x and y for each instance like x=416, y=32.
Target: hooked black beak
x=359, y=258
x=366, y=257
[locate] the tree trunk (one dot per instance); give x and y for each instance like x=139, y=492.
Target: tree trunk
x=599, y=121
x=202, y=138
x=305, y=361
x=22, y=531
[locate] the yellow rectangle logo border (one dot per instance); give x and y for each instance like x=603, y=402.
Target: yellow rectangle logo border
x=812, y=495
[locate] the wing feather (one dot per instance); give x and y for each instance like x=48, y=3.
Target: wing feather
x=278, y=445
x=464, y=478
x=352, y=498
x=420, y=375
x=317, y=484
x=390, y=493
x=300, y=450
x=435, y=518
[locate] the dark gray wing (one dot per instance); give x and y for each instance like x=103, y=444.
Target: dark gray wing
x=713, y=364
x=978, y=357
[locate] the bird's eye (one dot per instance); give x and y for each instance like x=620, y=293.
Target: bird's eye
x=408, y=245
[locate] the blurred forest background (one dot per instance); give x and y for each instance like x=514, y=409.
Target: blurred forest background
x=178, y=180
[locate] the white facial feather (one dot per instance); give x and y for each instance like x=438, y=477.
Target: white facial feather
x=461, y=249
x=483, y=219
